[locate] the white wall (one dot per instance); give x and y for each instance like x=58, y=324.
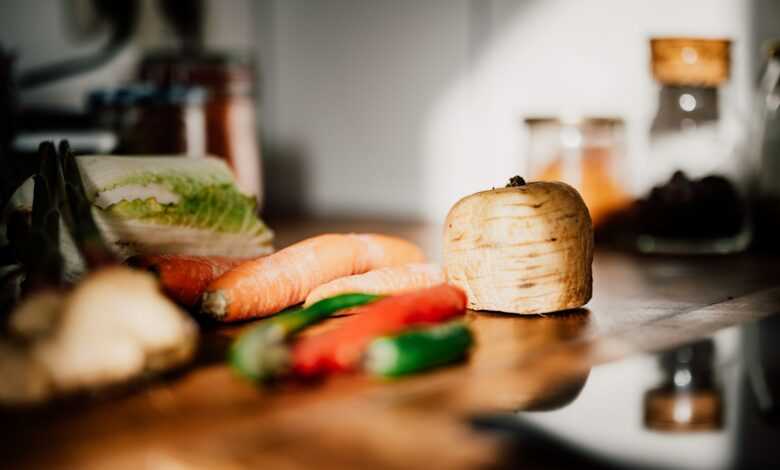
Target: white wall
x=349, y=85
x=401, y=107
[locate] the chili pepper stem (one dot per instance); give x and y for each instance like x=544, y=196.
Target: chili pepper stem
x=383, y=354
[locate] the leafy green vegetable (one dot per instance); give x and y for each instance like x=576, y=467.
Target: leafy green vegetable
x=202, y=204
x=172, y=205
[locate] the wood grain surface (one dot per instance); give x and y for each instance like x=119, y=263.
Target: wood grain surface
x=203, y=417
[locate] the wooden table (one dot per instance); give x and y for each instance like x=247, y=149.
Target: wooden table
x=204, y=417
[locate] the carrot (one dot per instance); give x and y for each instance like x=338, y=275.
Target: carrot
x=184, y=278
x=267, y=285
x=382, y=281
x=341, y=349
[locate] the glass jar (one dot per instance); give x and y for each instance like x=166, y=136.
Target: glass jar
x=116, y=109
x=228, y=78
x=165, y=121
x=765, y=141
x=587, y=153
x=694, y=178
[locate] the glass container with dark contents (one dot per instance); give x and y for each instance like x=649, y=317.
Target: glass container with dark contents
x=116, y=109
x=165, y=121
x=694, y=175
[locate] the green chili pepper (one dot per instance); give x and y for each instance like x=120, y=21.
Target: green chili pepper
x=261, y=352
x=418, y=350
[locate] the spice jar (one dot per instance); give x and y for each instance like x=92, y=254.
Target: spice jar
x=694, y=178
x=229, y=108
x=116, y=109
x=587, y=153
x=165, y=121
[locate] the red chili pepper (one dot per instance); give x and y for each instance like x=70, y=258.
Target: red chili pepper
x=341, y=349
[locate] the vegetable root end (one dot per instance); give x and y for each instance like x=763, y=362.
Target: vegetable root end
x=215, y=304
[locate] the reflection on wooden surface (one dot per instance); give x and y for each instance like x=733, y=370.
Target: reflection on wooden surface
x=204, y=417
x=505, y=342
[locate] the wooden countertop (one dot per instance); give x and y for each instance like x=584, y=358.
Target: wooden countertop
x=204, y=417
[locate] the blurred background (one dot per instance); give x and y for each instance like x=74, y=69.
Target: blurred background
x=408, y=104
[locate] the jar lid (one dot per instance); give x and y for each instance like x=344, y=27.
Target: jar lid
x=144, y=94
x=175, y=95
x=132, y=94
x=123, y=96
x=231, y=72
x=691, y=61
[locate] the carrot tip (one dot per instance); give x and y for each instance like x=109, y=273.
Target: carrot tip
x=215, y=304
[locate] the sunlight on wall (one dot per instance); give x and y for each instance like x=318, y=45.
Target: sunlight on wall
x=558, y=58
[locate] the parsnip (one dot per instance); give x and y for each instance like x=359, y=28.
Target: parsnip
x=524, y=249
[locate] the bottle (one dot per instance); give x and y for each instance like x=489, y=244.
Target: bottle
x=694, y=178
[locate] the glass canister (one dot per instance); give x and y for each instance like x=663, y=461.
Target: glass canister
x=765, y=143
x=164, y=121
x=116, y=109
x=587, y=153
x=694, y=178
x=228, y=78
